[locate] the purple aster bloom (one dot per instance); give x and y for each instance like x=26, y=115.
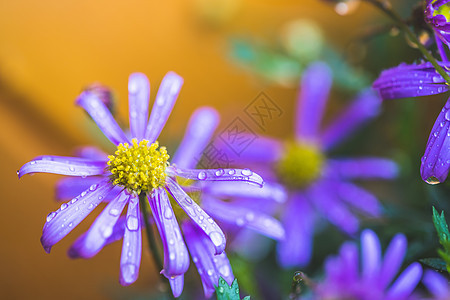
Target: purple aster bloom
x=437, y=284
x=437, y=14
x=421, y=80
x=374, y=279
x=137, y=167
x=318, y=186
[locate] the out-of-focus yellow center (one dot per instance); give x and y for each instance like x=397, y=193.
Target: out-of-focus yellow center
x=301, y=164
x=443, y=10
x=139, y=167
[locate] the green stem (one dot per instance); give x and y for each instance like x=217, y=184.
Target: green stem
x=150, y=236
x=385, y=7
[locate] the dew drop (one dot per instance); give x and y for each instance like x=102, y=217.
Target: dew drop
x=435, y=134
x=225, y=270
x=188, y=200
x=172, y=256
x=73, y=200
x=201, y=175
x=221, y=290
x=437, y=79
x=50, y=216
x=219, y=172
x=195, y=259
x=246, y=172
x=210, y=272
x=83, y=194
x=32, y=162
x=132, y=223
x=106, y=231
x=447, y=115
x=91, y=206
x=210, y=220
x=216, y=238
x=239, y=222
x=168, y=214
x=171, y=242
x=432, y=180
x=70, y=224
x=72, y=169
x=64, y=206
x=231, y=172
x=93, y=187
x=114, y=212
x=250, y=216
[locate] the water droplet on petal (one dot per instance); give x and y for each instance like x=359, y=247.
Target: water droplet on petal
x=219, y=172
x=210, y=272
x=225, y=270
x=250, y=216
x=216, y=238
x=70, y=224
x=91, y=206
x=231, y=172
x=201, y=175
x=172, y=256
x=246, y=172
x=64, y=206
x=71, y=169
x=132, y=223
x=195, y=259
x=239, y=222
x=32, y=162
x=106, y=231
x=432, y=180
x=93, y=187
x=447, y=115
x=83, y=194
x=73, y=200
x=188, y=200
x=168, y=214
x=114, y=212
x=50, y=216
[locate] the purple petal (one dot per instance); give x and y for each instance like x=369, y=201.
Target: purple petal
x=210, y=266
x=102, y=116
x=298, y=220
x=70, y=214
x=436, y=160
x=176, y=285
x=410, y=81
x=138, y=99
x=117, y=234
x=70, y=187
x=406, y=282
x=364, y=108
x=102, y=228
x=68, y=167
x=199, y=132
x=91, y=152
x=349, y=257
x=244, y=175
x=176, y=256
x=130, y=259
x=358, y=198
x=370, y=254
x=326, y=201
x=436, y=284
x=315, y=87
x=202, y=219
x=393, y=259
x=233, y=213
x=165, y=99
x=362, y=168
x=270, y=191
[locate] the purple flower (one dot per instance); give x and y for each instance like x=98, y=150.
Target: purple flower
x=437, y=285
x=318, y=185
x=437, y=14
x=137, y=167
x=421, y=80
x=374, y=279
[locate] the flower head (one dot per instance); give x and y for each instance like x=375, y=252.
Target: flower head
x=421, y=80
x=437, y=14
x=138, y=169
x=316, y=184
x=345, y=278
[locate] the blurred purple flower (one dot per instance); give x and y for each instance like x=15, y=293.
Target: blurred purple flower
x=437, y=285
x=346, y=279
x=437, y=14
x=118, y=179
x=421, y=80
x=316, y=184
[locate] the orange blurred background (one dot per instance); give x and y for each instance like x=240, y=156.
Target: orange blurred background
x=51, y=50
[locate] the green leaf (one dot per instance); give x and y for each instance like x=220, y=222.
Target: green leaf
x=226, y=292
x=441, y=227
x=435, y=263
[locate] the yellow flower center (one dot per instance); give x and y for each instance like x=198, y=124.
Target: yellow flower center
x=301, y=164
x=139, y=167
x=443, y=10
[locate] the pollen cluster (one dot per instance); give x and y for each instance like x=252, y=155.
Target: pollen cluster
x=138, y=167
x=301, y=164
x=444, y=10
